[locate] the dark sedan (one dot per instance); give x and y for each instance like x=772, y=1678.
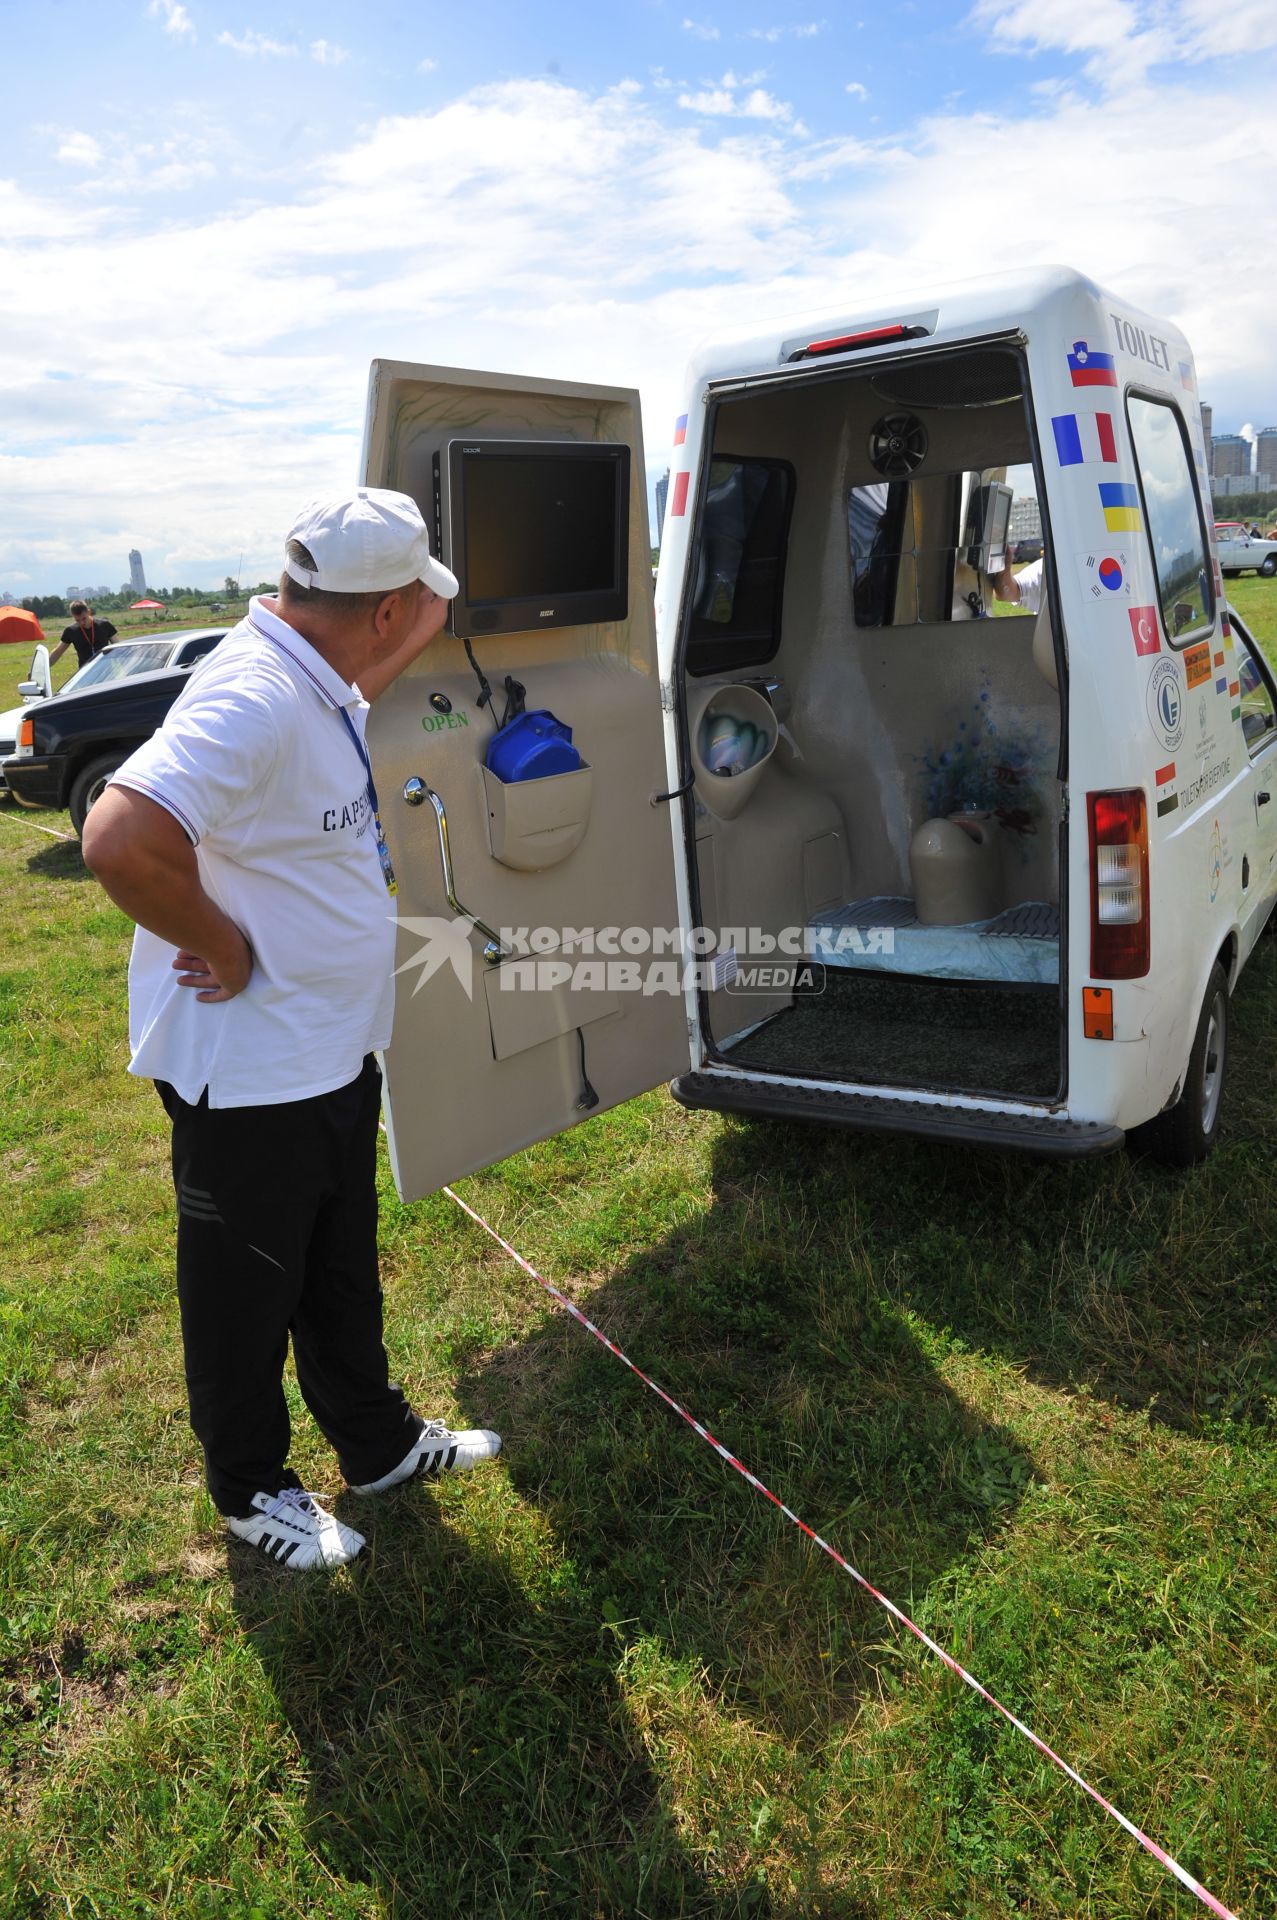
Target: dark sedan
x=69, y=746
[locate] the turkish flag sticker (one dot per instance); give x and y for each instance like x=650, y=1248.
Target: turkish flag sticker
x=1144, y=627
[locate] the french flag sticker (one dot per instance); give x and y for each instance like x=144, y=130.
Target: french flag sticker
x=1083, y=439
x=680, y=430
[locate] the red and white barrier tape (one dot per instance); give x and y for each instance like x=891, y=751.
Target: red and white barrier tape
x=36, y=827
x=1150, y=1846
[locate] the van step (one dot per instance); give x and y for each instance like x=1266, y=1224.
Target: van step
x=878, y=1113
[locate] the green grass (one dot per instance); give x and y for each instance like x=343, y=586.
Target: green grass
x=1034, y=1403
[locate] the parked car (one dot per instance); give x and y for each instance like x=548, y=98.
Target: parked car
x=1026, y=550
x=69, y=744
x=1238, y=550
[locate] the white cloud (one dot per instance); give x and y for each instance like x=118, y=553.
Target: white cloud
x=596, y=236
x=737, y=95
x=175, y=18
x=426, y=66
x=80, y=150
x=252, y=44
x=701, y=30
x=773, y=34
x=857, y=92
x=327, y=53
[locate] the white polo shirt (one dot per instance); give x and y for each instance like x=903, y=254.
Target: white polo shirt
x=255, y=763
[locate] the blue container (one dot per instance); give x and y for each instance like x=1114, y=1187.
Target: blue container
x=531, y=747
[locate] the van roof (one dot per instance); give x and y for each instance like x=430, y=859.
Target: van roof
x=1054, y=302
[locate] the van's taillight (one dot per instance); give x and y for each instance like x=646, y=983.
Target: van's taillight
x=845, y=342
x=26, y=733
x=1119, y=884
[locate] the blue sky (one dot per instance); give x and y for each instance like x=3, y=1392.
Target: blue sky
x=212, y=216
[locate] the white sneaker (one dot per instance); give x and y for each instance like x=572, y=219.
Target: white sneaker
x=437, y=1449
x=294, y=1529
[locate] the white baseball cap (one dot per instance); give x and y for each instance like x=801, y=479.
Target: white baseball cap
x=368, y=541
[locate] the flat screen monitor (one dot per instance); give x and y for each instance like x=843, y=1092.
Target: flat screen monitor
x=537, y=533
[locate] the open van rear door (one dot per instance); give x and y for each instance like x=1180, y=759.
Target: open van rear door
x=519, y=904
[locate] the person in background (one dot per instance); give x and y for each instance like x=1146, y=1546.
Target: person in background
x=244, y=839
x=1024, y=587
x=88, y=635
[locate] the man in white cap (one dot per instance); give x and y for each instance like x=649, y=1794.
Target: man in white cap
x=245, y=841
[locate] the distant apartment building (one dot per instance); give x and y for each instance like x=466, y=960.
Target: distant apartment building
x=1266, y=453
x=1231, y=456
x=87, y=593
x=1237, y=483
x=137, y=572
x=1206, y=420
x=1026, y=519
x=662, y=495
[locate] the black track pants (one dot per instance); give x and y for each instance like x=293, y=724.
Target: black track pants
x=277, y=1236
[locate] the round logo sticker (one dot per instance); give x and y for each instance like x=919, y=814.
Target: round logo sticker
x=1165, y=704
x=1110, y=574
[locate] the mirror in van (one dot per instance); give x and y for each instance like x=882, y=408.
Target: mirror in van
x=923, y=549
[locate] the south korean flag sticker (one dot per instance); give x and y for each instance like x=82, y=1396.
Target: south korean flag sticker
x=1105, y=575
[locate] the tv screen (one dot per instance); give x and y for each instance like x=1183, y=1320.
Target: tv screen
x=536, y=533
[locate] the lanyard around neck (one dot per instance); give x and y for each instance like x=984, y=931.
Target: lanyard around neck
x=362, y=751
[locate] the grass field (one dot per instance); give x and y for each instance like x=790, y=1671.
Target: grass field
x=1034, y=1403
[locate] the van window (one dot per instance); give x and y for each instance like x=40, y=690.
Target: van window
x=1172, y=517
x=740, y=564
x=1259, y=717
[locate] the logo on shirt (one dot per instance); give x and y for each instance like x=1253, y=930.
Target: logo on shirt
x=355, y=813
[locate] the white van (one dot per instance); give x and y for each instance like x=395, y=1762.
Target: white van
x=937, y=864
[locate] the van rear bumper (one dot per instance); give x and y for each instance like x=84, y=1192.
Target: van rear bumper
x=879, y=1113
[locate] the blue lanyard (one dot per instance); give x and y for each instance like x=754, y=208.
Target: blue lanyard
x=362, y=751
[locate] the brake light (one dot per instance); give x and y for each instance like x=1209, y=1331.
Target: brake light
x=26, y=733
x=1119, y=884
x=872, y=337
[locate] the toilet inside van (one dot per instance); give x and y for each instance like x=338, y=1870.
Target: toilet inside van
x=874, y=730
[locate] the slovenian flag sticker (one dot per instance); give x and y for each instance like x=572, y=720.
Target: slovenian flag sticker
x=680, y=430
x=1121, y=504
x=1082, y=439
x=1087, y=368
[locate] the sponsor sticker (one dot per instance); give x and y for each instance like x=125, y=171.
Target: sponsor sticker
x=1196, y=665
x=1206, y=782
x=1164, y=700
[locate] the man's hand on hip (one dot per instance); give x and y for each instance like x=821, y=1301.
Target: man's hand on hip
x=145, y=862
